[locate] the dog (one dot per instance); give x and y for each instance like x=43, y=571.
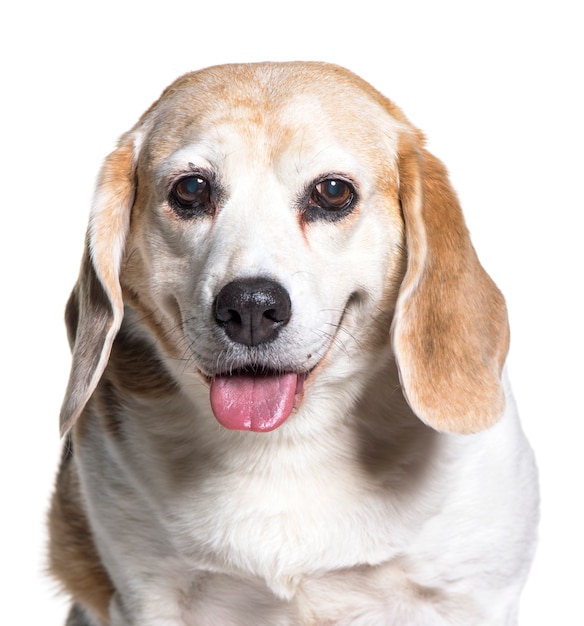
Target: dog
x=288, y=401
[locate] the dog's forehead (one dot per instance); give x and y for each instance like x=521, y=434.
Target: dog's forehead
x=289, y=105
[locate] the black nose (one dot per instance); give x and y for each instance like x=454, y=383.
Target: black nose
x=253, y=310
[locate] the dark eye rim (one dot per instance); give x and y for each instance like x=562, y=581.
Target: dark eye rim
x=202, y=206
x=313, y=212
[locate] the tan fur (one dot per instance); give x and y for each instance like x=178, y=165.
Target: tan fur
x=97, y=297
x=451, y=333
x=73, y=558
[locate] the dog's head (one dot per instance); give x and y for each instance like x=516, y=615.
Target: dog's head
x=280, y=223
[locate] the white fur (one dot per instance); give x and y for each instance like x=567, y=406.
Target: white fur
x=279, y=530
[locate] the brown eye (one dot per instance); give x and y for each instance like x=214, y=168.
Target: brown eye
x=332, y=195
x=190, y=196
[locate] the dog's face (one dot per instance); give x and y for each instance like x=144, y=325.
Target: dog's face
x=266, y=235
x=271, y=223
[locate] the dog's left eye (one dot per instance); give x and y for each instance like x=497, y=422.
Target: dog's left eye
x=331, y=194
x=190, y=196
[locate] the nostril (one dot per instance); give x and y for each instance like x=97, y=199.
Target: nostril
x=252, y=311
x=224, y=314
x=273, y=315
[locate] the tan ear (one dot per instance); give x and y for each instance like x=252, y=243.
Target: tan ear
x=95, y=309
x=450, y=330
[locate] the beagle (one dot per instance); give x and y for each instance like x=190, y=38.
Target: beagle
x=287, y=402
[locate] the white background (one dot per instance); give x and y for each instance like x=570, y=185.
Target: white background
x=496, y=86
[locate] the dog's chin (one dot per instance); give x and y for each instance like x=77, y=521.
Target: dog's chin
x=255, y=400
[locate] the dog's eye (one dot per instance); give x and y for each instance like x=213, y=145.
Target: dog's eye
x=190, y=196
x=332, y=195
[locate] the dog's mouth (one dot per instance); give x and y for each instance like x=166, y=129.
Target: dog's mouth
x=258, y=398
x=257, y=401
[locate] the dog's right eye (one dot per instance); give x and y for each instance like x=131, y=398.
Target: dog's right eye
x=190, y=196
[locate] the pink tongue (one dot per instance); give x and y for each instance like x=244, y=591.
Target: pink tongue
x=248, y=402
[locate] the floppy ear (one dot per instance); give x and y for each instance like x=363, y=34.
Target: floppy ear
x=450, y=330
x=95, y=309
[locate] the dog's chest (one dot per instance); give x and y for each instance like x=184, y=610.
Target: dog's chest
x=278, y=524
x=298, y=544
x=232, y=518
x=278, y=514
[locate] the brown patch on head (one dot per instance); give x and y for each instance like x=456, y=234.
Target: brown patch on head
x=260, y=97
x=73, y=557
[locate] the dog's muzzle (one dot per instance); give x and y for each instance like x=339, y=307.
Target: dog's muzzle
x=252, y=312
